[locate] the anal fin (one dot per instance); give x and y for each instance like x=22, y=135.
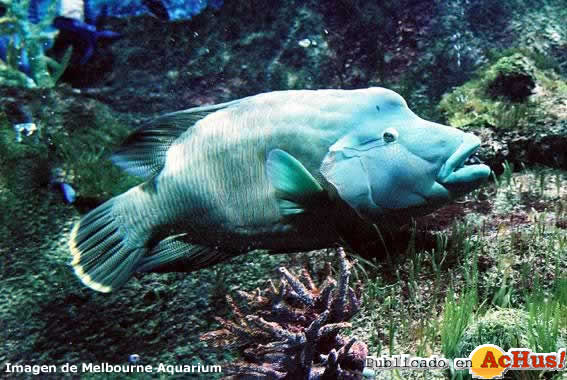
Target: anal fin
x=175, y=255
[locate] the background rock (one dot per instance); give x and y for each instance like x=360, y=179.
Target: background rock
x=524, y=124
x=420, y=49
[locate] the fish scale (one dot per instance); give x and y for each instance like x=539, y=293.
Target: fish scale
x=283, y=171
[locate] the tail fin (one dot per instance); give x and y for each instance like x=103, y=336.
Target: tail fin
x=104, y=253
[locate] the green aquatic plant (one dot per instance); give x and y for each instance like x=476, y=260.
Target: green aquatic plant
x=503, y=295
x=502, y=95
x=506, y=328
x=457, y=315
x=26, y=43
x=547, y=317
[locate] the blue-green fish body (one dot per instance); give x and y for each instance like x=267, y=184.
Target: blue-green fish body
x=281, y=171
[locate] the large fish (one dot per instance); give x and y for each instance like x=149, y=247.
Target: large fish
x=281, y=171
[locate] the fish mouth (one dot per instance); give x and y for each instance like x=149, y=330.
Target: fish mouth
x=463, y=167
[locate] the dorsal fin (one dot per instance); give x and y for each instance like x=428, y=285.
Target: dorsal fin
x=143, y=153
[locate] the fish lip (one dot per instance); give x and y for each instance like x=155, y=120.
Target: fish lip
x=449, y=172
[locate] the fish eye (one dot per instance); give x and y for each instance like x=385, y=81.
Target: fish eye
x=390, y=135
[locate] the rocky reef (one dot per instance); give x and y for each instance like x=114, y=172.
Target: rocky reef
x=512, y=77
x=292, y=330
x=517, y=108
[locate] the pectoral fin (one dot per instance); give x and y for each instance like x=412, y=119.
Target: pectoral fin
x=294, y=184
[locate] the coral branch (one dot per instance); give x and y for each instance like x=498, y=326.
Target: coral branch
x=276, y=330
x=304, y=295
x=333, y=329
x=307, y=280
x=254, y=370
x=294, y=329
x=339, y=304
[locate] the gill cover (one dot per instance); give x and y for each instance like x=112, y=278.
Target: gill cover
x=345, y=168
x=374, y=174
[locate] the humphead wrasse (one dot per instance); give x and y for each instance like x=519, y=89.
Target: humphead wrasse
x=282, y=171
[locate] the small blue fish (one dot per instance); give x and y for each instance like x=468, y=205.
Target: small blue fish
x=281, y=171
x=85, y=35
x=134, y=358
x=68, y=192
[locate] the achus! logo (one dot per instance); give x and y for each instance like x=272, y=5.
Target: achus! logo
x=489, y=361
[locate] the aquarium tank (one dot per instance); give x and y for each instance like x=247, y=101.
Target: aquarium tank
x=226, y=189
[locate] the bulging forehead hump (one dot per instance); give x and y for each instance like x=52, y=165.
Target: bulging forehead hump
x=379, y=103
x=371, y=99
x=383, y=97
x=376, y=108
